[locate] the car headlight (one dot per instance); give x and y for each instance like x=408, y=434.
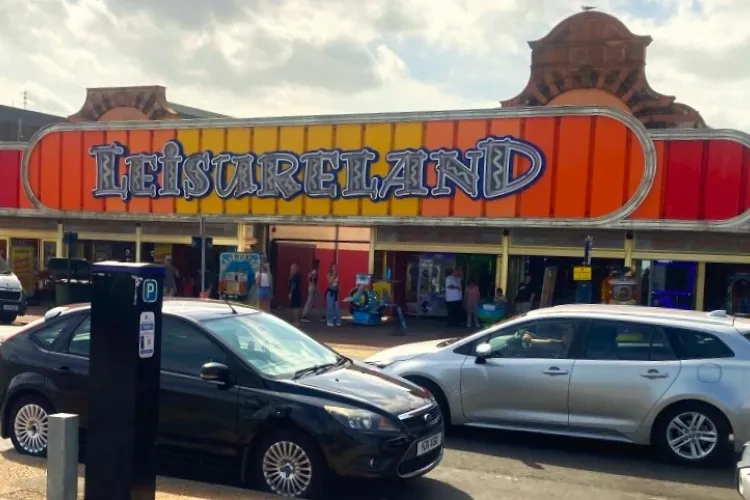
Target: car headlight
x=361, y=420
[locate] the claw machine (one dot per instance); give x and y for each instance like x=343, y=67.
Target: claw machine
x=425, y=283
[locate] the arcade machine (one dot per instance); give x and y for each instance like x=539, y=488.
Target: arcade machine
x=738, y=295
x=622, y=290
x=426, y=283
x=369, y=299
x=672, y=284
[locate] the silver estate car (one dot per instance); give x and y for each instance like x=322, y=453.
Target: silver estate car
x=679, y=380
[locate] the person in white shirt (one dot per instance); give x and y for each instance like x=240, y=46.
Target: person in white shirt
x=454, y=298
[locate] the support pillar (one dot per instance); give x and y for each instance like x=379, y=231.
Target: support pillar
x=371, y=256
x=700, y=287
x=501, y=273
x=138, y=242
x=59, y=243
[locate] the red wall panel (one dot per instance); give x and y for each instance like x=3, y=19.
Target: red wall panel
x=723, y=180
x=10, y=178
x=683, y=180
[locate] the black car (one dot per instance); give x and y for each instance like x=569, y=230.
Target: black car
x=290, y=410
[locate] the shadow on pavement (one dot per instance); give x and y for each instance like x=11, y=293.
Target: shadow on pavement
x=224, y=486
x=540, y=451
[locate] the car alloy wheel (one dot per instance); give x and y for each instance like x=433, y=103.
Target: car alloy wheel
x=287, y=469
x=692, y=436
x=31, y=428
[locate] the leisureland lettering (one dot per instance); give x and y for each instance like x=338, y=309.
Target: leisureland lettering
x=483, y=172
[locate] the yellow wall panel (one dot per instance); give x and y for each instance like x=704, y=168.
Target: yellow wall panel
x=265, y=139
x=406, y=135
x=239, y=141
x=292, y=139
x=319, y=137
x=191, y=143
x=214, y=140
x=378, y=136
x=348, y=137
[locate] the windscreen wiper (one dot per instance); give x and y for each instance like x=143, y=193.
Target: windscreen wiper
x=312, y=370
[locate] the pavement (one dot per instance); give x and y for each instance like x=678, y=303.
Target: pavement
x=478, y=464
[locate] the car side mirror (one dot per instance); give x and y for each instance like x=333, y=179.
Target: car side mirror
x=483, y=351
x=215, y=372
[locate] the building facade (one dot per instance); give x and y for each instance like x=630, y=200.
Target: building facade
x=587, y=151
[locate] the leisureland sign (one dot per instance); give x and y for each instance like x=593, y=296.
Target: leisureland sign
x=483, y=172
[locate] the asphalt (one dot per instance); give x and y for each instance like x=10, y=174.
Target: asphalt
x=478, y=464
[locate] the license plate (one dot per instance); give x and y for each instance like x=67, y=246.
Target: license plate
x=429, y=444
x=10, y=308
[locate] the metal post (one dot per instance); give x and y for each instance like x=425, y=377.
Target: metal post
x=62, y=457
x=138, y=243
x=203, y=254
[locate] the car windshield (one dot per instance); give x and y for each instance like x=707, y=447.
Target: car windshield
x=273, y=346
x=4, y=268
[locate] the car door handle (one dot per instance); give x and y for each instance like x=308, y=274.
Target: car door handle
x=63, y=369
x=654, y=374
x=553, y=370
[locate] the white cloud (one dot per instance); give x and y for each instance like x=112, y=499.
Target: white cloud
x=284, y=57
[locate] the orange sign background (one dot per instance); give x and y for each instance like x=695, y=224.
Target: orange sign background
x=594, y=164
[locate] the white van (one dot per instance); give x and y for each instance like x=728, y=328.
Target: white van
x=12, y=301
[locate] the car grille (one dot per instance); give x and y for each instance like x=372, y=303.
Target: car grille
x=429, y=417
x=413, y=465
x=9, y=295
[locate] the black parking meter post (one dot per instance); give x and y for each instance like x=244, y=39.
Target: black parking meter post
x=124, y=373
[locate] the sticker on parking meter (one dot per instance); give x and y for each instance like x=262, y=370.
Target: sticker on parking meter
x=150, y=291
x=146, y=335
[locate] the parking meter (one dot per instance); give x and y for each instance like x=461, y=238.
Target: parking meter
x=124, y=369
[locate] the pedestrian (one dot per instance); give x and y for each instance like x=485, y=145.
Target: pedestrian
x=333, y=312
x=525, y=296
x=312, y=291
x=471, y=304
x=263, y=281
x=500, y=299
x=453, y=297
x=171, y=274
x=295, y=293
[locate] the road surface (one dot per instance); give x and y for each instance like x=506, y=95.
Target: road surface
x=481, y=465
x=6, y=330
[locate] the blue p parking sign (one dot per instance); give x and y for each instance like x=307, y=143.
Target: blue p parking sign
x=150, y=291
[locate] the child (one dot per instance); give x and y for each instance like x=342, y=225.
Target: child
x=472, y=302
x=500, y=299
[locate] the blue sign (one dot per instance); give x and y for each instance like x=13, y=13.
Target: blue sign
x=150, y=291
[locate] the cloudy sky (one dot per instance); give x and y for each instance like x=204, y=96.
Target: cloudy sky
x=281, y=57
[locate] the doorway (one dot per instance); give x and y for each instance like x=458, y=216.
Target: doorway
x=563, y=290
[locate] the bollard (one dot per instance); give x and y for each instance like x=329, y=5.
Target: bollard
x=62, y=457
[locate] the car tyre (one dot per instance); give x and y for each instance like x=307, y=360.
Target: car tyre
x=29, y=425
x=289, y=464
x=694, y=434
x=8, y=319
x=437, y=393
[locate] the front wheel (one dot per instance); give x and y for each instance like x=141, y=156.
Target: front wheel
x=30, y=426
x=290, y=465
x=694, y=434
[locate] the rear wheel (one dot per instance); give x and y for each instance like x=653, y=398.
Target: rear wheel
x=694, y=434
x=289, y=464
x=30, y=425
x=7, y=319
